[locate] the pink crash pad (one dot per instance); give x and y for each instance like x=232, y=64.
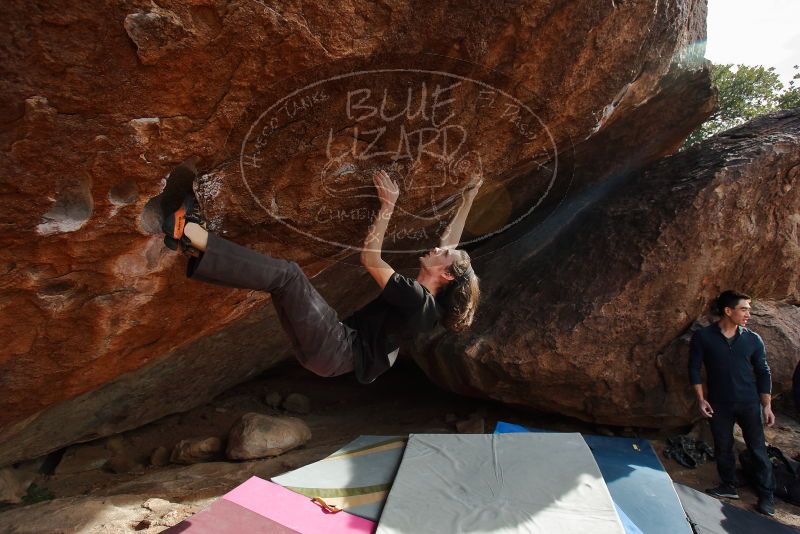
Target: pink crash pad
x=258, y=506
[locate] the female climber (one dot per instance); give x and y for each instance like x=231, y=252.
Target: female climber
x=445, y=290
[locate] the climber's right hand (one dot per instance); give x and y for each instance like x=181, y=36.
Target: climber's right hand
x=388, y=190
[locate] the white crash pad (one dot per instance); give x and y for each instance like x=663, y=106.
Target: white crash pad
x=499, y=483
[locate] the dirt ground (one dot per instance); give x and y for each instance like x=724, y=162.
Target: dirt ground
x=148, y=499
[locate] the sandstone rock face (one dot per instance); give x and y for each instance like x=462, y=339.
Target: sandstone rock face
x=589, y=321
x=778, y=324
x=257, y=436
x=101, y=328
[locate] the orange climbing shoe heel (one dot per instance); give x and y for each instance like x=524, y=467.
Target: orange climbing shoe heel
x=175, y=222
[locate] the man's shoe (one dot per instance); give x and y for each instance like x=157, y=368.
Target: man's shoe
x=766, y=506
x=723, y=491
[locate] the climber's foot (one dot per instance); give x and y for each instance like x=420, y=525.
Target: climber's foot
x=175, y=223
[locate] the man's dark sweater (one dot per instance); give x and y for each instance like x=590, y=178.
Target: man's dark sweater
x=737, y=371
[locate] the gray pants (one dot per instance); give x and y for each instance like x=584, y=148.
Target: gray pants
x=323, y=343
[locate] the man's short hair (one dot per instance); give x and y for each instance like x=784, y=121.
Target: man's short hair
x=729, y=299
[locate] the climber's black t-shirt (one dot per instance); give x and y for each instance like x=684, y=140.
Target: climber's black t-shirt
x=404, y=308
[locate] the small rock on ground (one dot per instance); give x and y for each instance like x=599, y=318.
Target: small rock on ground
x=297, y=403
x=473, y=425
x=192, y=451
x=80, y=458
x=123, y=463
x=273, y=399
x=160, y=457
x=257, y=436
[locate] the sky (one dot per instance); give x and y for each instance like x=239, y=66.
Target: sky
x=755, y=32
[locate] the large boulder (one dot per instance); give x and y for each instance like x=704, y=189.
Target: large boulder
x=778, y=324
x=592, y=321
x=104, y=102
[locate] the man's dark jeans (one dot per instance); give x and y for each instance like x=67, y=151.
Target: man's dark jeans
x=748, y=416
x=324, y=344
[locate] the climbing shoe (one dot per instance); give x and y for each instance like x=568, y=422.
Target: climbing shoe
x=175, y=222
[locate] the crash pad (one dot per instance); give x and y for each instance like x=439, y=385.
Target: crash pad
x=355, y=478
x=713, y=516
x=501, y=483
x=637, y=481
x=258, y=506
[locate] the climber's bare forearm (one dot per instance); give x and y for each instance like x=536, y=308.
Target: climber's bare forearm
x=452, y=234
x=373, y=245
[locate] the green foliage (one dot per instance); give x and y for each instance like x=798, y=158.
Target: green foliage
x=745, y=92
x=790, y=99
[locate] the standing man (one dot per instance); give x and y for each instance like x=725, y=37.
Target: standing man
x=739, y=386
